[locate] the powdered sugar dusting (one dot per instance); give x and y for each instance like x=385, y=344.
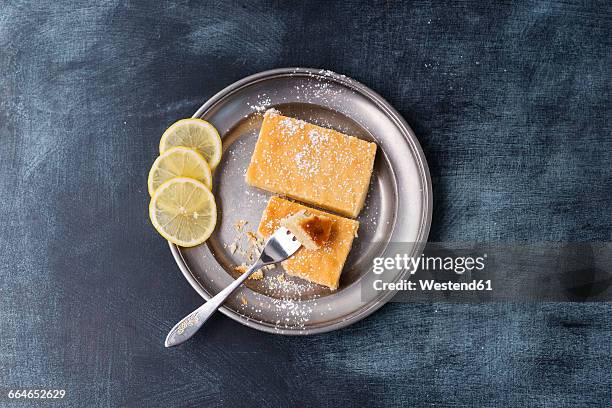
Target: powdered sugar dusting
x=262, y=104
x=316, y=137
x=307, y=166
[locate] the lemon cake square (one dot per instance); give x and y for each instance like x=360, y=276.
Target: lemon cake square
x=323, y=265
x=312, y=164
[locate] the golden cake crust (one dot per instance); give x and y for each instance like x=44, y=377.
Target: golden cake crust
x=312, y=164
x=323, y=265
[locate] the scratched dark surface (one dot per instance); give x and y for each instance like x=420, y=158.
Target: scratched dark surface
x=511, y=103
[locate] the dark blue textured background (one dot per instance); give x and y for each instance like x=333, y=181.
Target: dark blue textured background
x=510, y=101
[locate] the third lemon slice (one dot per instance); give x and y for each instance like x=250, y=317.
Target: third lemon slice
x=183, y=211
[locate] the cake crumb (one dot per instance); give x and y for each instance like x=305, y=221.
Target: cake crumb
x=240, y=224
x=272, y=112
x=252, y=238
x=257, y=275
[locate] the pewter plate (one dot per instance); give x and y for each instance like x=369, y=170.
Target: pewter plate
x=398, y=207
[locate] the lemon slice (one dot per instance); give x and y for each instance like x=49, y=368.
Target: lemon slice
x=183, y=211
x=178, y=162
x=196, y=134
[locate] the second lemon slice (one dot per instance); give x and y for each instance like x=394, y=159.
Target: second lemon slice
x=178, y=162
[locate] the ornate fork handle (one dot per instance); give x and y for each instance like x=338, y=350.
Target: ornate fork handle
x=190, y=324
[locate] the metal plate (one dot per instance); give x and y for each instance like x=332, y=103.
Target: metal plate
x=398, y=207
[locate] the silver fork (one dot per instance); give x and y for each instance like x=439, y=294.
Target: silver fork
x=280, y=246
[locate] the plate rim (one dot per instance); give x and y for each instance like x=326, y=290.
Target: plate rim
x=409, y=136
